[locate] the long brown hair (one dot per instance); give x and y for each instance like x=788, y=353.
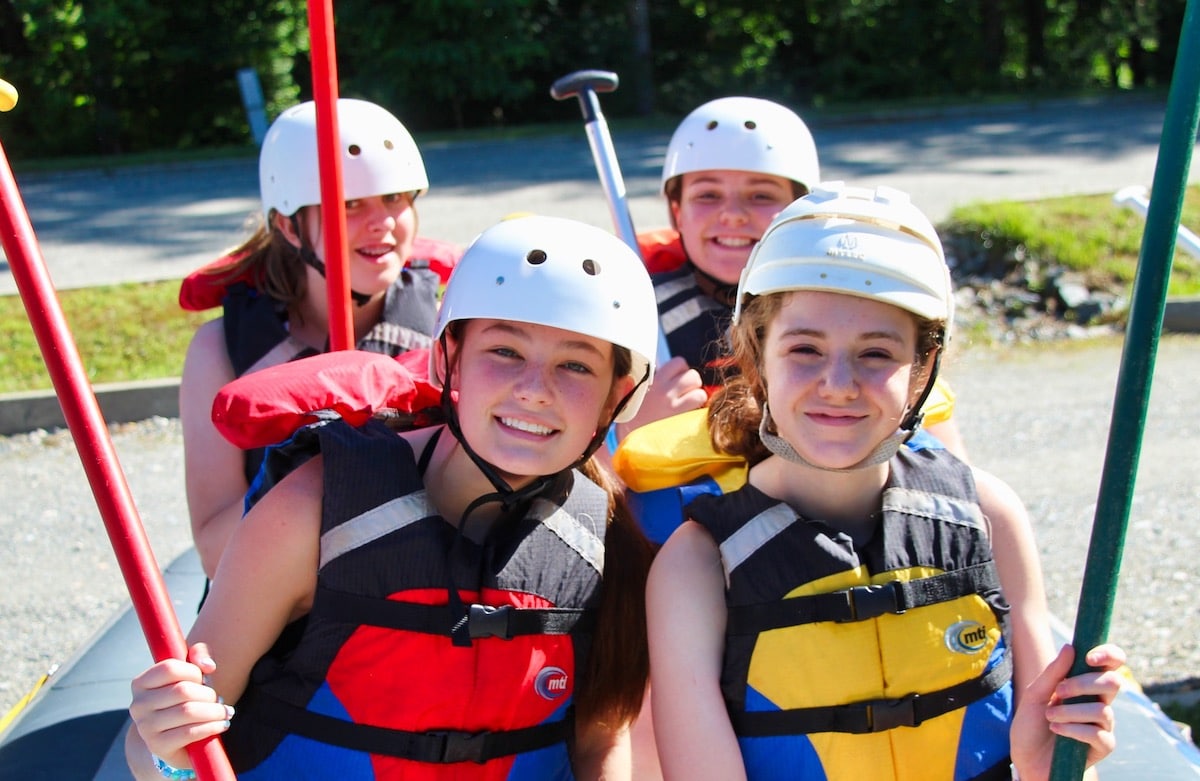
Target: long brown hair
x=618, y=666
x=272, y=263
x=735, y=411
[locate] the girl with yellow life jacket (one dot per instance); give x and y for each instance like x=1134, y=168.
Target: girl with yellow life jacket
x=473, y=590
x=854, y=609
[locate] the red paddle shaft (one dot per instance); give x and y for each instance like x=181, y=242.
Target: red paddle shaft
x=82, y=412
x=333, y=206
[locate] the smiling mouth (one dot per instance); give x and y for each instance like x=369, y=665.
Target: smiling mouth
x=835, y=420
x=376, y=252
x=527, y=427
x=732, y=242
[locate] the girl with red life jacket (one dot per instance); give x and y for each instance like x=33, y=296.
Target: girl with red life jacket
x=731, y=166
x=473, y=590
x=855, y=609
x=273, y=292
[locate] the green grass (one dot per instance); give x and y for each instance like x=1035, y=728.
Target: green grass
x=123, y=332
x=1084, y=233
x=137, y=331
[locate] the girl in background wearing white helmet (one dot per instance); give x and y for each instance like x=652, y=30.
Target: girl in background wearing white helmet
x=731, y=166
x=857, y=609
x=273, y=290
x=451, y=575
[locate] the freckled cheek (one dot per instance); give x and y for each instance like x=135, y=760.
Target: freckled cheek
x=895, y=383
x=763, y=216
x=783, y=375
x=697, y=212
x=480, y=377
x=586, y=394
x=406, y=220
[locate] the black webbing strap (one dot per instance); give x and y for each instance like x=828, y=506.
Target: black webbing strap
x=440, y=747
x=873, y=715
x=1001, y=771
x=505, y=622
x=862, y=602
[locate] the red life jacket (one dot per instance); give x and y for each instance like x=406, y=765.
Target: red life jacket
x=268, y=406
x=662, y=250
x=392, y=679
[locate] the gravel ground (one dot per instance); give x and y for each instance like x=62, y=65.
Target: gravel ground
x=1038, y=417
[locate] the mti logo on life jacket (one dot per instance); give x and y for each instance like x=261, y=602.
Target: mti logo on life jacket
x=966, y=637
x=551, y=683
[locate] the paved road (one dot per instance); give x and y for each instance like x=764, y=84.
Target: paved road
x=159, y=223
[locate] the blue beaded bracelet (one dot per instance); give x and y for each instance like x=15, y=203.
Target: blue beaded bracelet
x=173, y=773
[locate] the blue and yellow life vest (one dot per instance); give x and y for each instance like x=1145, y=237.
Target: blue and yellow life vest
x=888, y=660
x=428, y=655
x=848, y=710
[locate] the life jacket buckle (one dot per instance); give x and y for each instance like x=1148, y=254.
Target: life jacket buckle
x=883, y=715
x=867, y=602
x=489, y=621
x=461, y=746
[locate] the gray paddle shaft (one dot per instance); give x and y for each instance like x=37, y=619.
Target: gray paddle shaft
x=585, y=85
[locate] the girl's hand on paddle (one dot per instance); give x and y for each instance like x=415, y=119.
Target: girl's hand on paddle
x=173, y=706
x=1044, y=712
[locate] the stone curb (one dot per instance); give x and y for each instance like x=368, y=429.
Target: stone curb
x=123, y=402
x=127, y=402
x=1182, y=315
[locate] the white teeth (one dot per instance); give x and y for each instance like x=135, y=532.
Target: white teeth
x=728, y=241
x=522, y=425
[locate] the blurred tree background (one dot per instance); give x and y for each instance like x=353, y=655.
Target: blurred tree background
x=122, y=76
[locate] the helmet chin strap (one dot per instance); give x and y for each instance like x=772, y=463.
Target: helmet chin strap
x=719, y=291
x=310, y=257
x=882, y=452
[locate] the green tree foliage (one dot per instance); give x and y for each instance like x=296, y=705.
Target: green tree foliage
x=113, y=76
x=466, y=63
x=434, y=61
x=131, y=75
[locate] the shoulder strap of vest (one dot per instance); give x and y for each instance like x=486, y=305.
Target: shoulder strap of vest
x=504, y=622
x=409, y=314
x=862, y=603
x=253, y=322
x=874, y=715
x=482, y=621
x=441, y=747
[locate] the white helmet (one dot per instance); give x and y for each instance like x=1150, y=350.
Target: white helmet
x=379, y=156
x=869, y=243
x=560, y=273
x=743, y=134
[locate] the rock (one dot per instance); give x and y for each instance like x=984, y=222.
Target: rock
x=1008, y=295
